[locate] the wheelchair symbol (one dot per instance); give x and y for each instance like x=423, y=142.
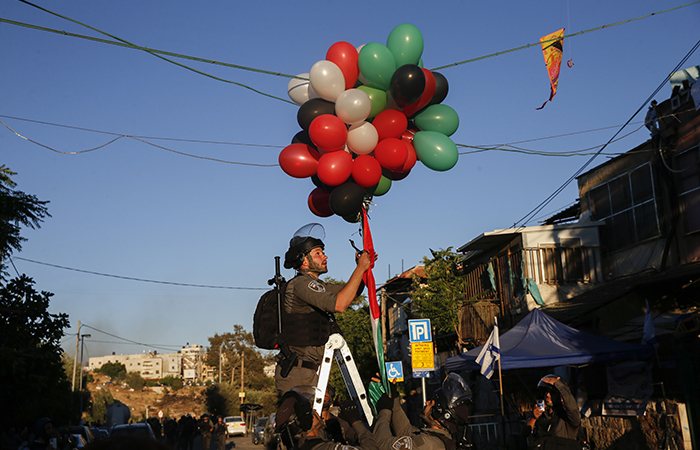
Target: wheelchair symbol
x=393, y=373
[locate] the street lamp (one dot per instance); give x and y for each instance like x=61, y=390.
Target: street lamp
x=220, y=350
x=82, y=344
x=80, y=389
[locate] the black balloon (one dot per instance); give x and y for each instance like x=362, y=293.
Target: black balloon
x=407, y=84
x=302, y=137
x=320, y=184
x=347, y=199
x=441, y=89
x=312, y=109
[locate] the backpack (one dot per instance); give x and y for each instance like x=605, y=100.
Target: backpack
x=266, y=319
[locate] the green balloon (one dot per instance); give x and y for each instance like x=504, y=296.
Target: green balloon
x=435, y=150
x=406, y=44
x=440, y=118
x=378, y=99
x=377, y=65
x=380, y=188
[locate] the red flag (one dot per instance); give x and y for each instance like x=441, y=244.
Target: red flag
x=552, y=49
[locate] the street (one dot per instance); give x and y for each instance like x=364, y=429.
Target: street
x=238, y=442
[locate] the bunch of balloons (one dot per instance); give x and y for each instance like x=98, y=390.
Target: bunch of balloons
x=367, y=115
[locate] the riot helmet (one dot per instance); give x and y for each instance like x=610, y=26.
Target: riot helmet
x=304, y=240
x=295, y=415
x=452, y=402
x=545, y=388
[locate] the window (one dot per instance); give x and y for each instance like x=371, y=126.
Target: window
x=689, y=192
x=560, y=265
x=627, y=205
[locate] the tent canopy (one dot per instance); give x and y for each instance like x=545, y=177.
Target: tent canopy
x=540, y=341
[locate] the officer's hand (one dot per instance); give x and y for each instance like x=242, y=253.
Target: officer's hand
x=384, y=402
x=550, y=380
x=364, y=261
x=349, y=412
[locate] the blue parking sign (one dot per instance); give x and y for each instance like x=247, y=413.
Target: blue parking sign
x=419, y=330
x=394, y=371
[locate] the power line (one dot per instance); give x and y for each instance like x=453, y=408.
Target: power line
x=564, y=37
x=172, y=283
x=157, y=55
x=132, y=342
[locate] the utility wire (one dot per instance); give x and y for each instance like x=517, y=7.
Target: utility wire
x=141, y=279
x=157, y=55
x=564, y=37
x=524, y=220
x=129, y=341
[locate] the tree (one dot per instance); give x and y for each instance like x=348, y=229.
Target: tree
x=135, y=381
x=17, y=209
x=441, y=293
x=32, y=375
x=114, y=370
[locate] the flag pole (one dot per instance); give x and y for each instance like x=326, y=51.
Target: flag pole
x=500, y=378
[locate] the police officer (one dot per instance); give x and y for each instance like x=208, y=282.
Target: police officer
x=556, y=425
x=300, y=428
x=205, y=427
x=309, y=306
x=443, y=416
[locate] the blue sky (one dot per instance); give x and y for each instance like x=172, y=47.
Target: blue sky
x=133, y=210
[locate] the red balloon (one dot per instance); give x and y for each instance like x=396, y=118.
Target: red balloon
x=299, y=160
x=425, y=98
x=319, y=202
x=328, y=132
x=390, y=124
x=366, y=171
x=334, y=168
x=345, y=55
x=391, y=153
x=410, y=159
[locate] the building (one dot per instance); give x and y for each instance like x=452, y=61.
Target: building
x=186, y=364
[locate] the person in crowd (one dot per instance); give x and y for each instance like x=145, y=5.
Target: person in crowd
x=556, y=423
x=309, y=307
x=205, y=427
x=443, y=417
x=301, y=428
x=220, y=432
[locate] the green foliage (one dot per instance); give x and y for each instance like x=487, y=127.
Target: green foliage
x=174, y=383
x=32, y=375
x=115, y=371
x=135, y=381
x=98, y=410
x=440, y=295
x=222, y=400
x=17, y=209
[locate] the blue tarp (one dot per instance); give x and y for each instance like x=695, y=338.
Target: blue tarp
x=540, y=341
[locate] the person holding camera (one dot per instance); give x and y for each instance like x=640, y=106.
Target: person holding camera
x=556, y=421
x=309, y=306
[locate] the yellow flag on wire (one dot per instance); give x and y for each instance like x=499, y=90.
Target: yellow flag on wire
x=552, y=49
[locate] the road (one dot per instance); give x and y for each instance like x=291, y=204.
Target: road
x=238, y=442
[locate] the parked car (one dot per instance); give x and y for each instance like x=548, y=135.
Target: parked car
x=84, y=431
x=132, y=429
x=259, y=430
x=270, y=439
x=235, y=426
x=78, y=440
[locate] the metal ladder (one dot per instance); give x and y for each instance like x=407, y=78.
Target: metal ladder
x=336, y=346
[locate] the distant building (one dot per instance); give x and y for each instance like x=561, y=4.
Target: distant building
x=186, y=364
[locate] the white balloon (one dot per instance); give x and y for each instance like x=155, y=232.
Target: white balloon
x=362, y=138
x=353, y=106
x=298, y=89
x=327, y=80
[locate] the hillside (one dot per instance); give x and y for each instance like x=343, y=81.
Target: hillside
x=188, y=400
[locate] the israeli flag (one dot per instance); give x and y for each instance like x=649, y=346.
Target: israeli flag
x=490, y=353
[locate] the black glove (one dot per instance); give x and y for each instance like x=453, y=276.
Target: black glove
x=384, y=402
x=349, y=412
x=394, y=390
